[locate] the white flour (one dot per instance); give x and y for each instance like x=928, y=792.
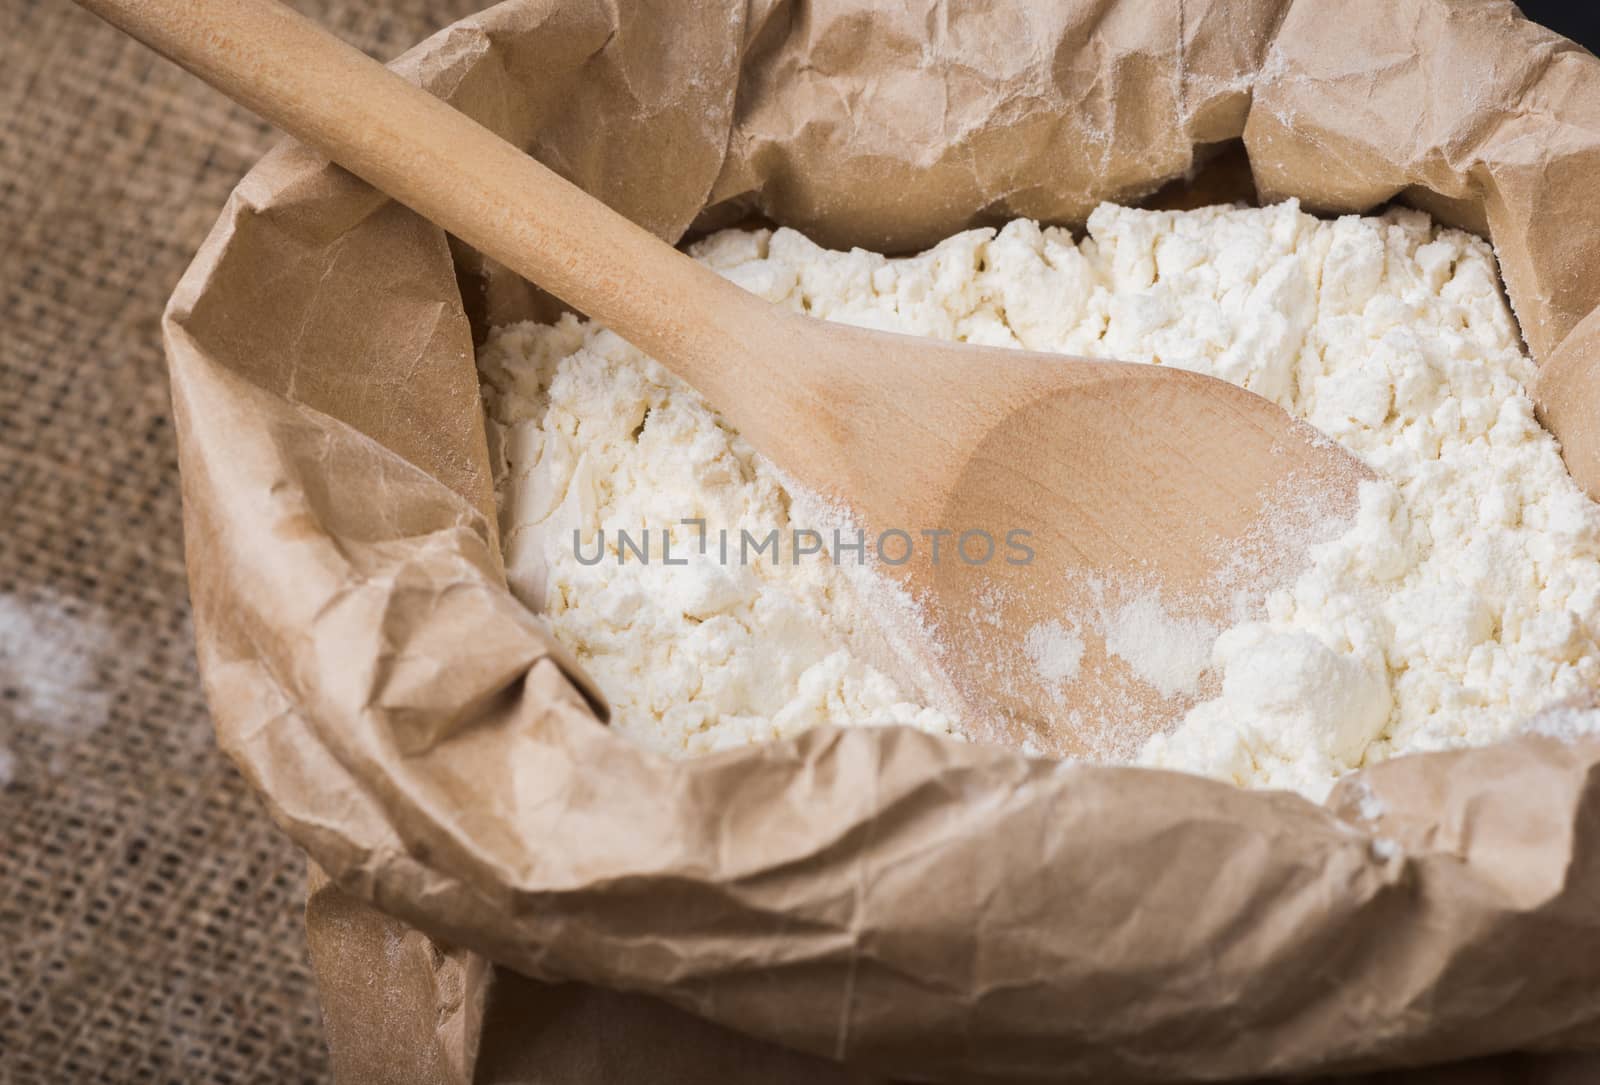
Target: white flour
x=1167, y=652
x=693, y=657
x=1466, y=597
x=52, y=651
x=1055, y=652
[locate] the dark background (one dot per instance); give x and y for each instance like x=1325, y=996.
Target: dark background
x=1577, y=19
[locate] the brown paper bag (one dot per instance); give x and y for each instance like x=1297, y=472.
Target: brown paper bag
x=401, y=1010
x=913, y=907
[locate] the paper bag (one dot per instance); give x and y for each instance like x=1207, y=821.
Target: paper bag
x=913, y=907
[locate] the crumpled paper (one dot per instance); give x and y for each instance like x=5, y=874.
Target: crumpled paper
x=914, y=907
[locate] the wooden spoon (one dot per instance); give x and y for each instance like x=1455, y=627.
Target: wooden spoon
x=1142, y=492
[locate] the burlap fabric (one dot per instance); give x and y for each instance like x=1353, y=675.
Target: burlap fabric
x=149, y=912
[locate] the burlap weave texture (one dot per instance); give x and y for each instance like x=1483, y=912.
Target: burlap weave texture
x=150, y=926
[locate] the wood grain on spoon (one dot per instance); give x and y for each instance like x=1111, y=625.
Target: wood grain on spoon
x=1118, y=473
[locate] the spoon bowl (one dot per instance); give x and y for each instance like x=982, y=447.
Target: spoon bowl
x=1074, y=532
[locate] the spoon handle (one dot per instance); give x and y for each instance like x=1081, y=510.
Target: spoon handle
x=453, y=171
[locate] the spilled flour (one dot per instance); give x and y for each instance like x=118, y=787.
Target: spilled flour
x=1465, y=597
x=1055, y=652
x=53, y=651
x=1164, y=650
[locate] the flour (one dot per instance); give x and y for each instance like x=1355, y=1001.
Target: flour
x=1465, y=597
x=1166, y=651
x=52, y=654
x=696, y=657
x=1566, y=722
x=1055, y=652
